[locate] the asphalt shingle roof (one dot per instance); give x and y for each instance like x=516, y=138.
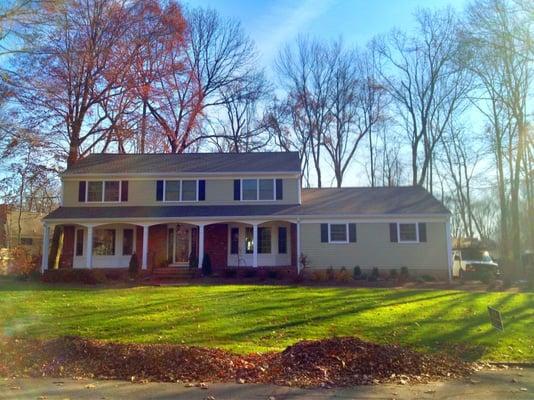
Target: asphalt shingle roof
x=406, y=200
x=186, y=163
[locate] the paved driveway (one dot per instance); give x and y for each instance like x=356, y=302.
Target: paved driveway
x=485, y=385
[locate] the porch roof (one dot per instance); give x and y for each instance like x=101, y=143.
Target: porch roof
x=332, y=202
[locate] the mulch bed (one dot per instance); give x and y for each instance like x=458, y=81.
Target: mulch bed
x=341, y=361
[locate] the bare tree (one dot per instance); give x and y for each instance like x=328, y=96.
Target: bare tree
x=425, y=82
x=241, y=127
x=497, y=36
x=356, y=107
x=218, y=57
x=305, y=73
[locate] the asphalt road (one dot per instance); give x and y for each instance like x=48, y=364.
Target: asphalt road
x=484, y=385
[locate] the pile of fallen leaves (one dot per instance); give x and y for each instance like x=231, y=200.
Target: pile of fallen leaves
x=329, y=362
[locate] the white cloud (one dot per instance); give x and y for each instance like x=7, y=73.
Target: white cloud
x=284, y=21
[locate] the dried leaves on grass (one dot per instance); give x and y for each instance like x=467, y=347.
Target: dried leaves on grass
x=329, y=362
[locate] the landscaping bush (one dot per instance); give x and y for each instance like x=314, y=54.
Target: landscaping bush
x=193, y=260
x=342, y=275
x=319, y=276
x=133, y=266
x=273, y=274
x=206, y=265
x=393, y=274
x=22, y=263
x=230, y=273
x=68, y=275
x=250, y=272
x=404, y=274
x=357, y=273
x=375, y=275
x=330, y=274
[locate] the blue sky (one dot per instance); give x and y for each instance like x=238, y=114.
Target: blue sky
x=271, y=23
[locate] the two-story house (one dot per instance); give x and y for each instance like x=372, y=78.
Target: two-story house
x=244, y=210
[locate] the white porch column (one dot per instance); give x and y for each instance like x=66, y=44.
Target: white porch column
x=255, y=245
x=298, y=247
x=449, y=248
x=89, y=247
x=144, y=258
x=46, y=246
x=200, y=245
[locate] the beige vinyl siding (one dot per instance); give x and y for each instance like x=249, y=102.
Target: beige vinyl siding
x=374, y=249
x=142, y=192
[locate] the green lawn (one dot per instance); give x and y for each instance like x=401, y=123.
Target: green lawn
x=249, y=318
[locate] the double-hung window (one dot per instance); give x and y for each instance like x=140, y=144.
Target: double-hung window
x=104, y=242
x=407, y=232
x=99, y=191
x=264, y=240
x=339, y=233
x=181, y=190
x=258, y=189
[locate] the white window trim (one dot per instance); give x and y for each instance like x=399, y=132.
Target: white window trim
x=257, y=189
x=416, y=232
x=103, y=183
x=338, y=241
x=181, y=200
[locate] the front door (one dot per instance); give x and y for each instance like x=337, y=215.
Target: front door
x=179, y=244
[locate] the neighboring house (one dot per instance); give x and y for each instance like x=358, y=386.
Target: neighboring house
x=244, y=210
x=12, y=221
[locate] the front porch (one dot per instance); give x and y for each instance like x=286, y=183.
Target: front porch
x=177, y=245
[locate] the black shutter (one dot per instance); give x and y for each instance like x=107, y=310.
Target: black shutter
x=393, y=232
x=352, y=233
x=279, y=189
x=124, y=191
x=282, y=240
x=237, y=189
x=81, y=191
x=159, y=191
x=422, y=232
x=201, y=190
x=324, y=233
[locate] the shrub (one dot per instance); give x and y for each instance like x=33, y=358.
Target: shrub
x=86, y=276
x=330, y=274
x=193, y=260
x=356, y=273
x=319, y=276
x=487, y=277
x=273, y=274
x=375, y=275
x=393, y=274
x=427, y=278
x=230, y=273
x=250, y=272
x=133, y=266
x=206, y=265
x=22, y=263
x=404, y=273
x=343, y=275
